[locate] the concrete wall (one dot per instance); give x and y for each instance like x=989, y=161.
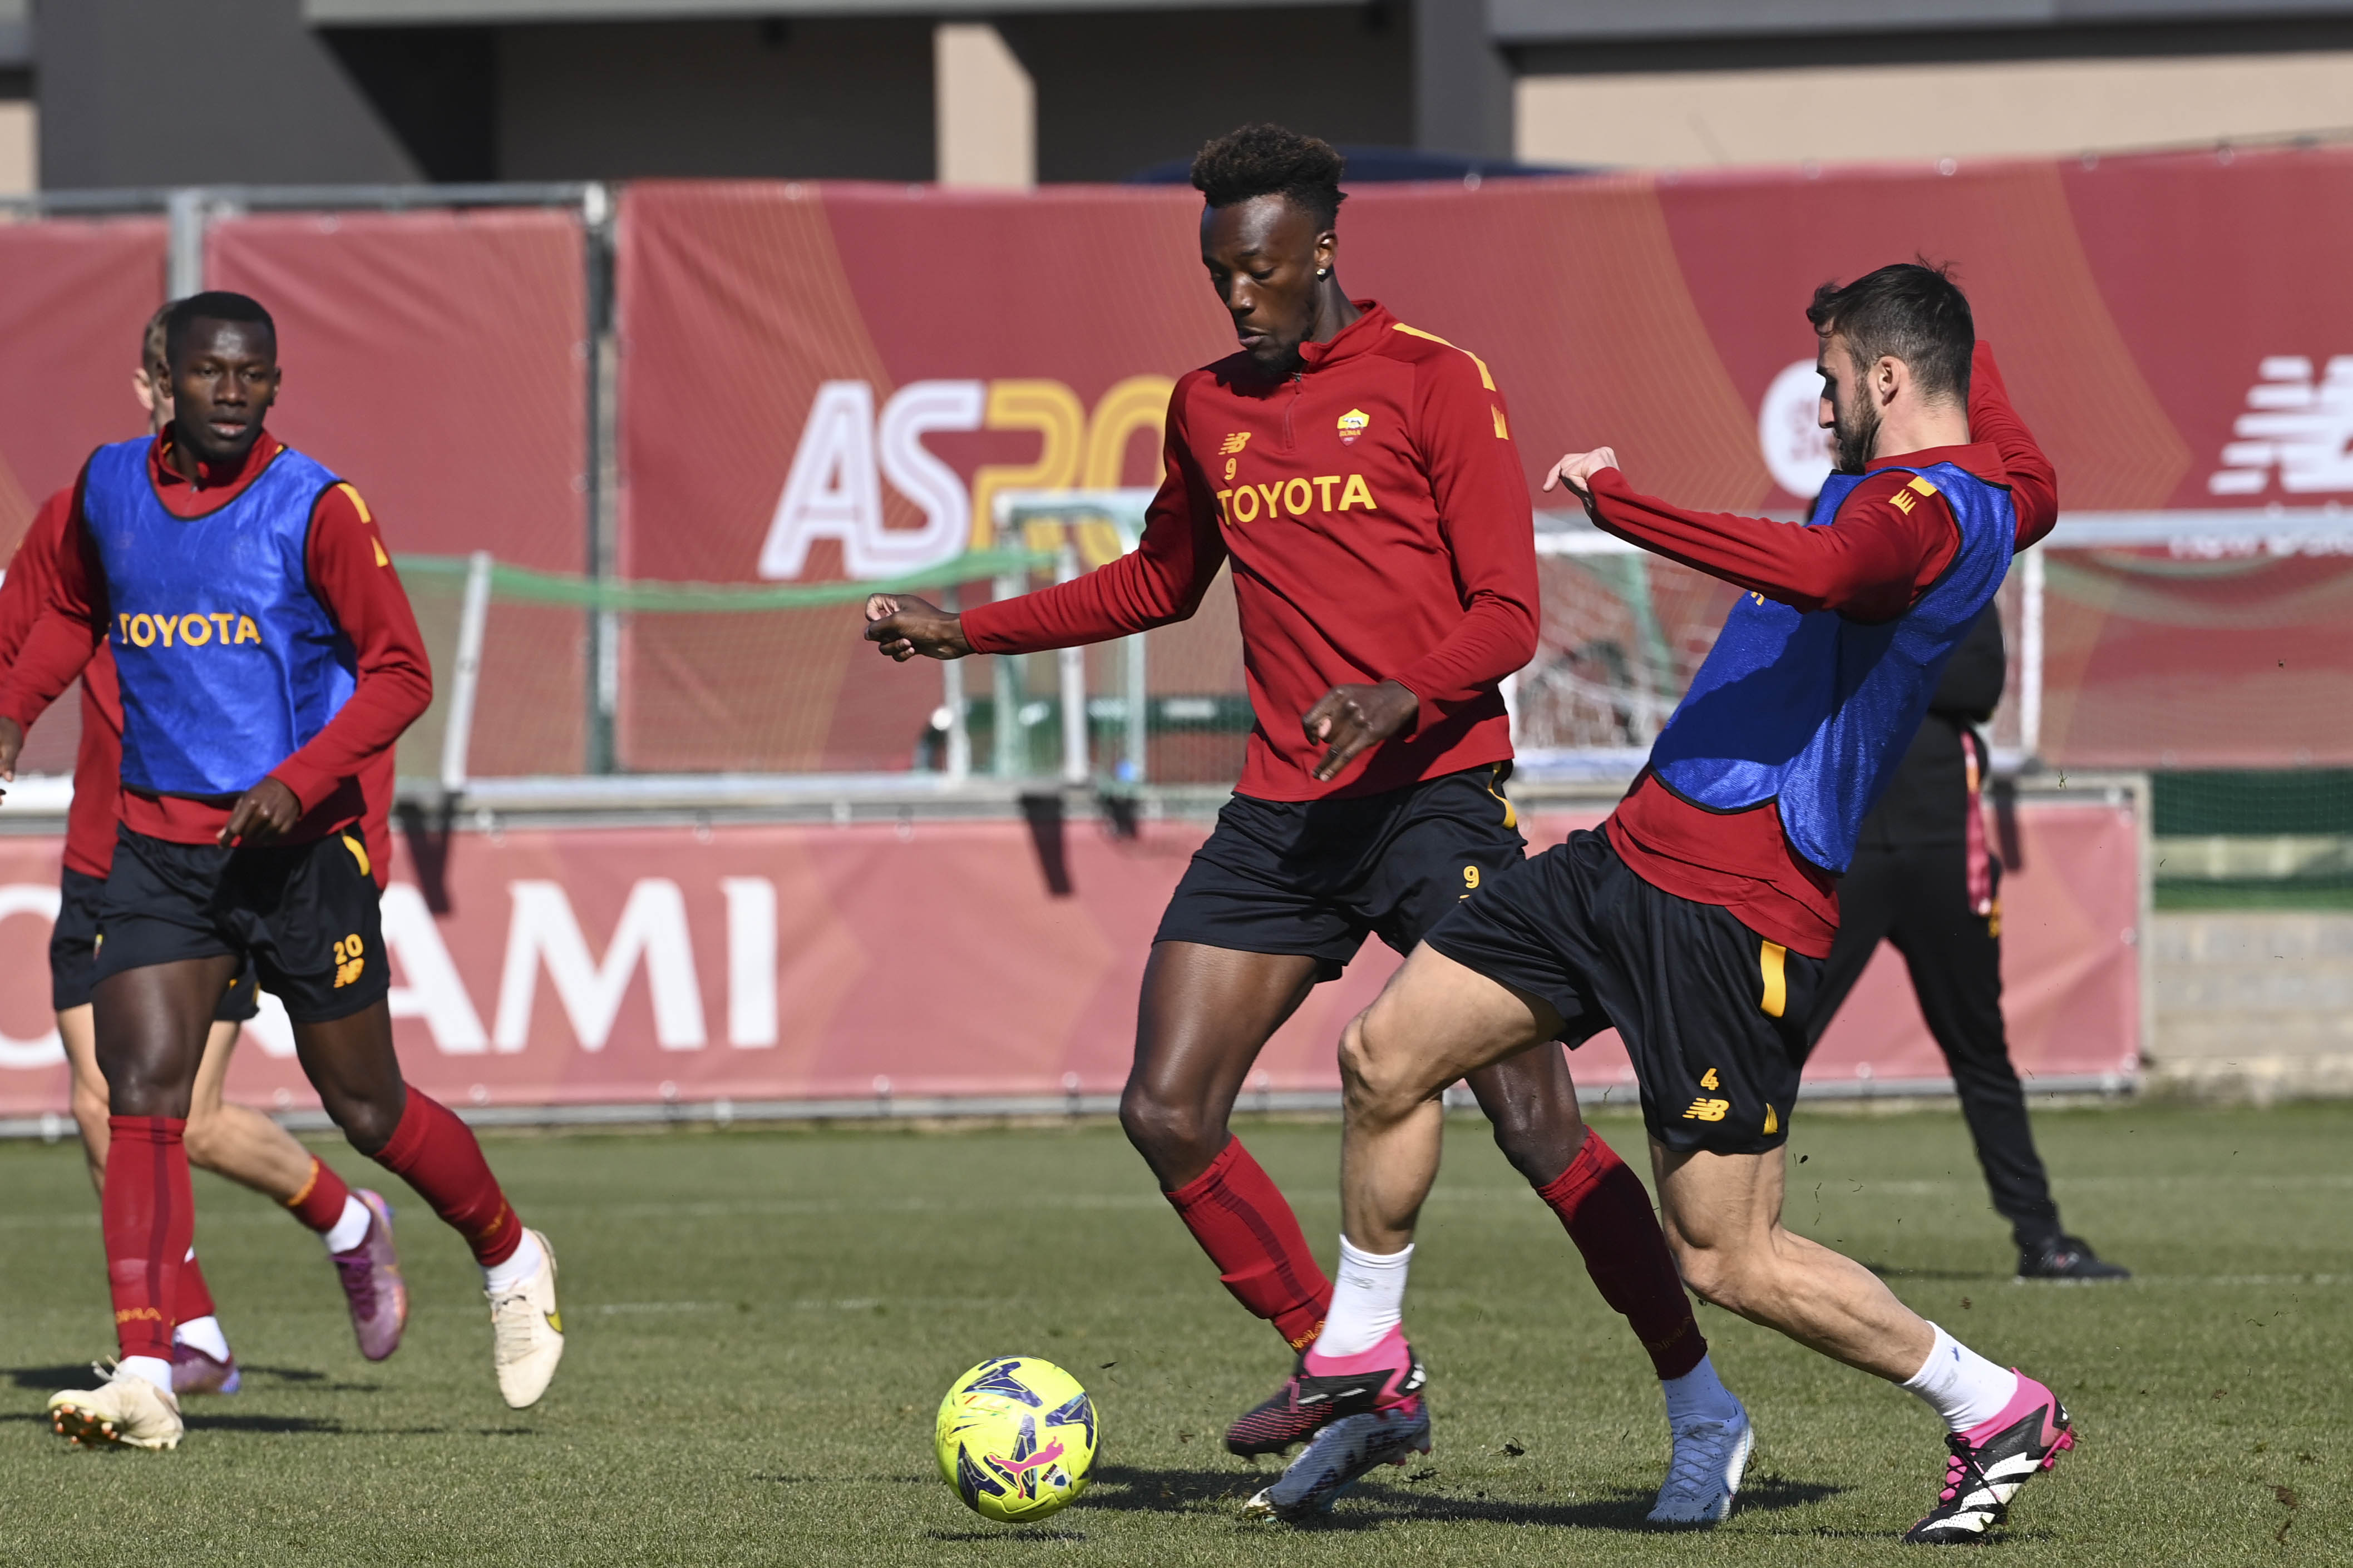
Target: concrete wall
x=1929, y=110
x=187, y=91
x=1116, y=93
x=815, y=99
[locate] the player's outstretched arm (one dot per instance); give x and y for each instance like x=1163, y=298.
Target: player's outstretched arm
x=1576, y=468
x=905, y=626
x=1868, y=568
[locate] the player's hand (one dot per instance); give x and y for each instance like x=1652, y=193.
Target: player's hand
x=12, y=742
x=1574, y=469
x=266, y=811
x=1352, y=720
x=904, y=625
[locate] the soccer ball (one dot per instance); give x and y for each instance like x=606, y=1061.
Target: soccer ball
x=1017, y=1438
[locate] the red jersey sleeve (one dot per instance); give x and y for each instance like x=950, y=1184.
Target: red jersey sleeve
x=1869, y=566
x=1465, y=440
x=2033, y=483
x=67, y=631
x=26, y=591
x=352, y=576
x=1160, y=581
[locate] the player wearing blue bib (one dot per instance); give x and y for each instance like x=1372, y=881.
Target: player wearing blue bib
x=1791, y=727
x=268, y=660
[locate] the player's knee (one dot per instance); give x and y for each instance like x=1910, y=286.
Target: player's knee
x=90, y=1109
x=1379, y=1083
x=1539, y=1147
x=1720, y=1277
x=367, y=1123
x=1166, y=1128
x=202, y=1139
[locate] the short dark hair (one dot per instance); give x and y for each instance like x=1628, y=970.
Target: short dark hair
x=1910, y=310
x=1269, y=161
x=150, y=338
x=212, y=305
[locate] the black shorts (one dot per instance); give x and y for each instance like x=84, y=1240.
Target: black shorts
x=73, y=943
x=1713, y=1014
x=304, y=916
x=1315, y=876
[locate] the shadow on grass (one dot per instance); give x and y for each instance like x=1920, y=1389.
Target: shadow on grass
x=1964, y=1276
x=1124, y=1489
x=80, y=1374
x=205, y=1421
x=1018, y=1532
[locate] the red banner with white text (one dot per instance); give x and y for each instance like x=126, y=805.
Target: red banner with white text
x=649, y=964
x=829, y=380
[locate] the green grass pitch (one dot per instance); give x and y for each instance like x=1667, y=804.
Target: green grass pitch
x=762, y=1323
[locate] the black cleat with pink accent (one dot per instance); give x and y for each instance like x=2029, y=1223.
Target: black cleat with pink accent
x=1312, y=1399
x=1990, y=1461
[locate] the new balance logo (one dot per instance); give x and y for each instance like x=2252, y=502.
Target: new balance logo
x=2296, y=428
x=1707, y=1110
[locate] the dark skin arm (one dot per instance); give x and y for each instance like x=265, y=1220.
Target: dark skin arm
x=266, y=812
x=1352, y=720
x=1349, y=720
x=905, y=626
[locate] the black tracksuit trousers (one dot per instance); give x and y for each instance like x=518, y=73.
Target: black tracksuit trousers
x=1917, y=898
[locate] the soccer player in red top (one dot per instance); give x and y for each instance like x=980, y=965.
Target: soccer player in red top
x=1358, y=474
x=1698, y=919
x=230, y=1139
x=267, y=661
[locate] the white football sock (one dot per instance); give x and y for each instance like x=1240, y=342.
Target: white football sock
x=205, y=1334
x=501, y=1277
x=351, y=1228
x=1697, y=1395
x=1367, y=1300
x=153, y=1368
x=1961, y=1386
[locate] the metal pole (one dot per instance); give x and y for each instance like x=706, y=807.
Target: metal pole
x=458, y=723
x=1008, y=751
x=185, y=217
x=959, y=758
x=2029, y=661
x=1139, y=698
x=599, y=359
x=1073, y=670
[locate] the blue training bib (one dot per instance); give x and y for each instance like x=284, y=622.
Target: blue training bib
x=1813, y=712
x=229, y=664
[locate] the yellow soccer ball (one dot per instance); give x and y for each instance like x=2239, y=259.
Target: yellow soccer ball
x=1017, y=1438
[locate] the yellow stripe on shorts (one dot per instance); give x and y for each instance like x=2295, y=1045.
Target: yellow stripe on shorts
x=1777, y=984
x=359, y=855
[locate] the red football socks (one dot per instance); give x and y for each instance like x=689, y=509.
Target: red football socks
x=1606, y=1211
x=195, y=1299
x=1237, y=1213
x=437, y=1153
x=150, y=1219
x=319, y=1204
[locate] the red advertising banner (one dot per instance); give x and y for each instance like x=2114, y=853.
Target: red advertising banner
x=438, y=361
x=833, y=379
x=640, y=965
x=75, y=294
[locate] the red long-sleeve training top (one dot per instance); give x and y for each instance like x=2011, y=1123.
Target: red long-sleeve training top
x=1379, y=528
x=344, y=773
x=1869, y=566
x=98, y=757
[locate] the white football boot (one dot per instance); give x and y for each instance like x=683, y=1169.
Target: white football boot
x=126, y=1410
x=527, y=1331
x=1704, y=1474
